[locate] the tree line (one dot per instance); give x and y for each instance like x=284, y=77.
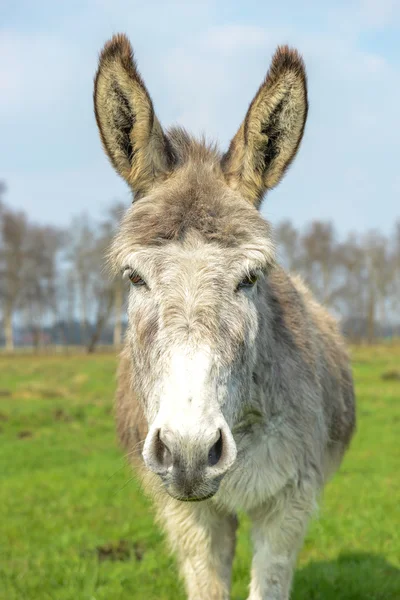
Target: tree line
x=357, y=277
x=54, y=287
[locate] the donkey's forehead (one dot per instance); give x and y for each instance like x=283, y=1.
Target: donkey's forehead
x=199, y=207
x=195, y=254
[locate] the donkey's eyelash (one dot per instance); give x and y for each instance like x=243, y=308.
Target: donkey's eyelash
x=128, y=272
x=257, y=271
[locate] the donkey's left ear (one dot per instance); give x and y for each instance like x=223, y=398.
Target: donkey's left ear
x=270, y=135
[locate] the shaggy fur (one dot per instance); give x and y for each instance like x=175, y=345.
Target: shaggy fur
x=276, y=375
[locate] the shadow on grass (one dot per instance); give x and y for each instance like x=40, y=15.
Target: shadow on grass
x=354, y=576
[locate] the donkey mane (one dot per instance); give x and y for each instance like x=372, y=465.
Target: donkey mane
x=187, y=147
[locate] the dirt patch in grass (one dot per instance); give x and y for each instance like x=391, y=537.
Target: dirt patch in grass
x=139, y=551
x=5, y=393
x=391, y=375
x=37, y=390
x=120, y=551
x=60, y=415
x=80, y=378
x=3, y=417
x=24, y=434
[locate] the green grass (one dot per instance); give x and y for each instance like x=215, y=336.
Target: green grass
x=74, y=524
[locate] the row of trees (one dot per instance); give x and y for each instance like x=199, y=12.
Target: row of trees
x=357, y=277
x=54, y=287
x=53, y=283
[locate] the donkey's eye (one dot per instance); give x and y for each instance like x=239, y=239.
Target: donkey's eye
x=248, y=281
x=135, y=279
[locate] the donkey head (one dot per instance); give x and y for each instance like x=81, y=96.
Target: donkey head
x=198, y=254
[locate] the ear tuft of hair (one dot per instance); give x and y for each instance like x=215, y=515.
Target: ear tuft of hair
x=118, y=45
x=119, y=48
x=287, y=59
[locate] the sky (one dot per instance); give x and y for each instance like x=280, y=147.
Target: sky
x=202, y=63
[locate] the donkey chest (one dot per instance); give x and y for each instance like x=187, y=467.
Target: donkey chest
x=264, y=467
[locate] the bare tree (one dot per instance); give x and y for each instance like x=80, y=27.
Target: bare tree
x=40, y=281
x=68, y=290
x=107, y=293
x=319, y=260
x=395, y=263
x=115, y=213
x=288, y=241
x=3, y=189
x=13, y=228
x=351, y=292
x=82, y=245
x=379, y=276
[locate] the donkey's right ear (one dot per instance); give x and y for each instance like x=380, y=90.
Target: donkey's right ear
x=131, y=133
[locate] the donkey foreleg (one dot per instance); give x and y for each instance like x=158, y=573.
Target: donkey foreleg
x=204, y=542
x=277, y=538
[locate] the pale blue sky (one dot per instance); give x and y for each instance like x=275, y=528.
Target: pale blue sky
x=202, y=62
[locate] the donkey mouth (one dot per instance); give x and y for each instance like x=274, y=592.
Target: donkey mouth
x=192, y=498
x=191, y=492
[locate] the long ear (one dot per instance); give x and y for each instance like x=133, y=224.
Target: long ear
x=269, y=137
x=131, y=133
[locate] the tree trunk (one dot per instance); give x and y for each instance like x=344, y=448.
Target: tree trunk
x=118, y=303
x=71, y=289
x=84, y=330
x=8, y=330
x=36, y=337
x=84, y=321
x=371, y=317
x=382, y=315
x=326, y=295
x=101, y=321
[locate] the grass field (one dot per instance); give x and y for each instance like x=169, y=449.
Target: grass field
x=74, y=524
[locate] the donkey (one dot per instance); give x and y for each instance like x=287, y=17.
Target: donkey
x=234, y=386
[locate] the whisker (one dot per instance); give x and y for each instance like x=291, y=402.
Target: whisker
x=124, y=486
x=134, y=449
x=117, y=471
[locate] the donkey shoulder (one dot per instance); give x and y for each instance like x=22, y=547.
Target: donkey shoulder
x=315, y=336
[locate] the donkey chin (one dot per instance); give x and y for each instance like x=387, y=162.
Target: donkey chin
x=191, y=461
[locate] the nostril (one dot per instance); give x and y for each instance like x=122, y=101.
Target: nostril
x=162, y=452
x=215, y=452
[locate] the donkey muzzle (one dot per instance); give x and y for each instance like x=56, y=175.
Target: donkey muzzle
x=192, y=463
